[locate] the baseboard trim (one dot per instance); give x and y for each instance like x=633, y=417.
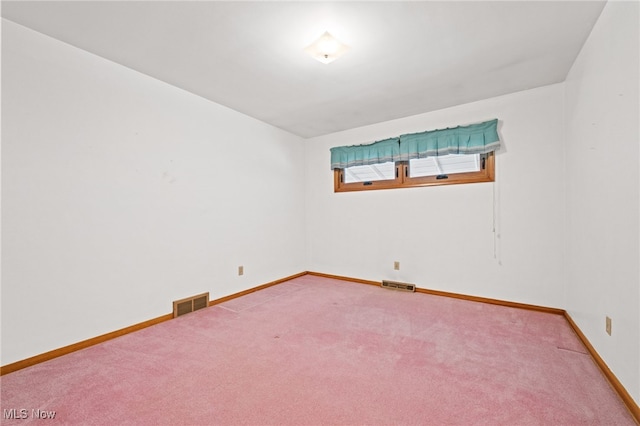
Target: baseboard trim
x=342, y=278
x=518, y=305
x=37, y=359
x=631, y=405
x=613, y=380
x=555, y=311
x=254, y=289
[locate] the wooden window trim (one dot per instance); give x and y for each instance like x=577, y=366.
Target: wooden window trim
x=402, y=180
x=340, y=186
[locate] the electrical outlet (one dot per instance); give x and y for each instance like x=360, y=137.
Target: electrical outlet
x=608, y=326
x=240, y=270
x=396, y=265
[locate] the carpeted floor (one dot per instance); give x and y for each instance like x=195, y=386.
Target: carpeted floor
x=315, y=351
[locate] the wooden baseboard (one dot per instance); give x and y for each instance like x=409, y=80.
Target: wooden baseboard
x=507, y=303
x=19, y=365
x=545, y=309
x=253, y=289
x=37, y=359
x=634, y=409
x=613, y=380
x=341, y=278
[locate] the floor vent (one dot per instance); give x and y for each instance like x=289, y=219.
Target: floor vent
x=190, y=304
x=398, y=286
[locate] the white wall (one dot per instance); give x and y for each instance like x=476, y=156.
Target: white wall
x=121, y=194
x=603, y=158
x=117, y=192
x=443, y=236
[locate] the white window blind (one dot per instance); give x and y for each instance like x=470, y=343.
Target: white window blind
x=444, y=165
x=370, y=173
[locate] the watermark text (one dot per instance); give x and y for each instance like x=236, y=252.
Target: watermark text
x=23, y=414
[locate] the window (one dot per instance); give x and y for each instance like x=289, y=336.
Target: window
x=443, y=170
x=462, y=154
x=444, y=165
x=370, y=173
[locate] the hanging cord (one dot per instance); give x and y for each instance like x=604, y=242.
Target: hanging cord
x=496, y=210
x=495, y=243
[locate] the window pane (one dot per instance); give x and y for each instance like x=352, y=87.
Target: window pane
x=444, y=165
x=381, y=171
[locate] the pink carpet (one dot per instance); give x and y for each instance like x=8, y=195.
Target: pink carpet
x=317, y=351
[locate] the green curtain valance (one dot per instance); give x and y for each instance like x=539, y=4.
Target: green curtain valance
x=360, y=155
x=478, y=138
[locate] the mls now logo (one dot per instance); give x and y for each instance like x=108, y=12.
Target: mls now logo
x=23, y=413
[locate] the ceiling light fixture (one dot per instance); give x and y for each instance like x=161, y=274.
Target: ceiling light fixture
x=327, y=48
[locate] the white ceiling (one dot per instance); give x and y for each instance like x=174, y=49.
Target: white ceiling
x=406, y=58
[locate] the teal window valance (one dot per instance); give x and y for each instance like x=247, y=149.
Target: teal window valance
x=360, y=155
x=478, y=138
